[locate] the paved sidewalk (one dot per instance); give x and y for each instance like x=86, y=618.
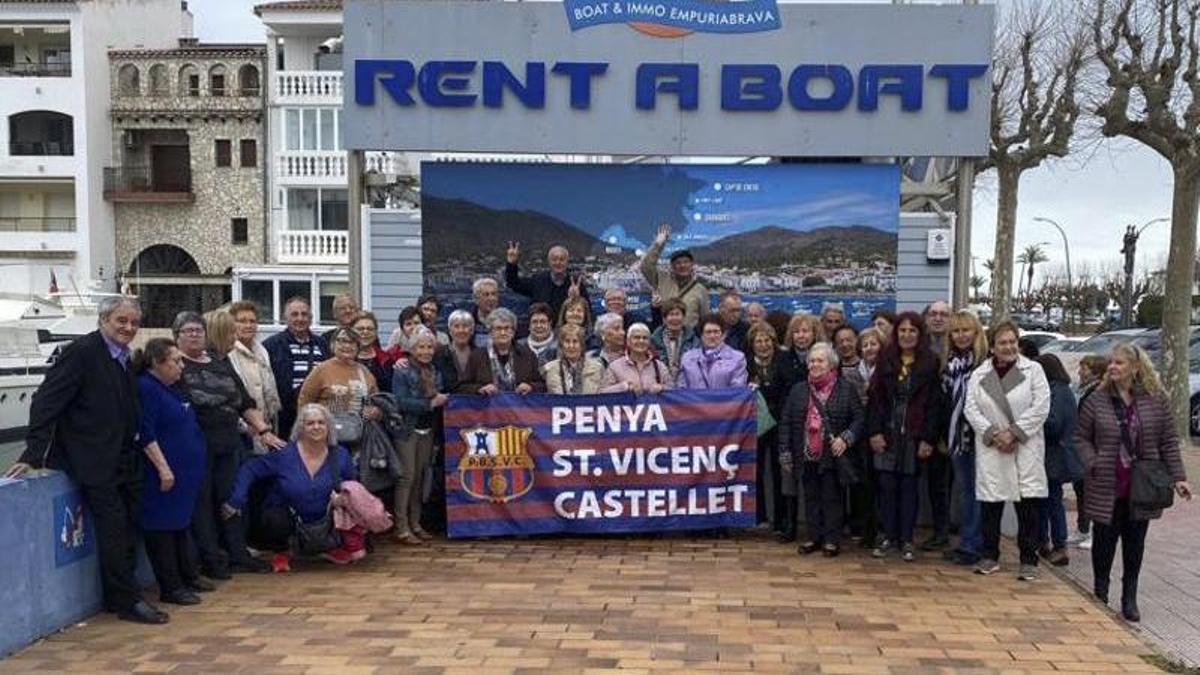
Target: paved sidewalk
x=1169, y=585
x=563, y=605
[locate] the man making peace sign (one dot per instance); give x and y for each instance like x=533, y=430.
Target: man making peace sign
x=552, y=286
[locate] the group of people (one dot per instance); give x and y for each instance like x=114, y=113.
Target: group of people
x=213, y=446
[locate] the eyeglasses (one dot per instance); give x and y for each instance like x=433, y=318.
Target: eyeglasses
x=195, y=330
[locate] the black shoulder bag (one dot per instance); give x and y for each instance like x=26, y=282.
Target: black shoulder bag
x=844, y=463
x=1150, y=484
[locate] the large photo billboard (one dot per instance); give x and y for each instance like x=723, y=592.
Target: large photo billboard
x=789, y=236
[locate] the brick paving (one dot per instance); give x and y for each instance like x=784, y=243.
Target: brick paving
x=1169, y=585
x=742, y=603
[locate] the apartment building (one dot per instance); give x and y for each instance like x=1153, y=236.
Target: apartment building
x=55, y=134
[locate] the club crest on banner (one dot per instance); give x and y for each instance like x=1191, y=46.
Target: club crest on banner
x=496, y=466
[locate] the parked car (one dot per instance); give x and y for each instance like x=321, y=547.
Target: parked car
x=1040, y=338
x=1062, y=345
x=1031, y=322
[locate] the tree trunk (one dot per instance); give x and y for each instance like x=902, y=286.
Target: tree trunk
x=1177, y=308
x=1006, y=235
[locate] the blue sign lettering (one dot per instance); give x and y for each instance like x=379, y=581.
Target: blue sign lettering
x=743, y=86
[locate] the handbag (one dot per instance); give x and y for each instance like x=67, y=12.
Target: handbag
x=844, y=463
x=1150, y=484
x=316, y=537
x=349, y=425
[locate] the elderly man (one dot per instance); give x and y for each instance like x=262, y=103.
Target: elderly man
x=833, y=317
x=84, y=419
x=294, y=353
x=729, y=307
x=680, y=283
x=487, y=298
x=755, y=312
x=552, y=286
x=937, y=322
x=616, y=302
x=344, y=311
x=938, y=474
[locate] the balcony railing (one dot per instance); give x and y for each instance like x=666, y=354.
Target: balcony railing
x=316, y=167
x=37, y=224
x=36, y=69
x=313, y=246
x=40, y=148
x=308, y=87
x=140, y=184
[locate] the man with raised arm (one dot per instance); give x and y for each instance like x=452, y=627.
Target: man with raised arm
x=679, y=282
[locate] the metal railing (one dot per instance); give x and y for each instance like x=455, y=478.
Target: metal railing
x=308, y=86
x=37, y=224
x=36, y=69
x=40, y=148
x=140, y=179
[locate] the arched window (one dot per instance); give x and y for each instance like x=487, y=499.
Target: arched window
x=248, y=82
x=216, y=80
x=160, y=84
x=189, y=81
x=129, y=81
x=41, y=132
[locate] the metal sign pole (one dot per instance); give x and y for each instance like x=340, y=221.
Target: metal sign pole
x=354, y=239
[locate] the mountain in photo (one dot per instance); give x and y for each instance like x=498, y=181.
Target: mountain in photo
x=772, y=246
x=457, y=229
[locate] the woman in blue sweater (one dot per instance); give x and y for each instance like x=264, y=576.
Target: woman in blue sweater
x=305, y=477
x=1062, y=463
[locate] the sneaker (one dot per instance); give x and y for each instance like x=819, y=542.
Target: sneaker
x=338, y=556
x=986, y=566
x=1027, y=573
x=882, y=549
x=1076, y=537
x=935, y=543
x=908, y=552
x=1086, y=543
x=280, y=562
x=1059, y=558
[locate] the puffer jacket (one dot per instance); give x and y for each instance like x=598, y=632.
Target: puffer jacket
x=378, y=463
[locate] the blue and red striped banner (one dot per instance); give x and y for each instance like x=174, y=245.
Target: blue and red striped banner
x=535, y=464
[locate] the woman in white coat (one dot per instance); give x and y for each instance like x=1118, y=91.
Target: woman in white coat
x=1008, y=400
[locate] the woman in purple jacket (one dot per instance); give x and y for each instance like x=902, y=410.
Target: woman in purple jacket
x=714, y=364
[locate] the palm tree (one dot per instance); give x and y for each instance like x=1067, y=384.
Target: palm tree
x=990, y=266
x=977, y=283
x=1030, y=258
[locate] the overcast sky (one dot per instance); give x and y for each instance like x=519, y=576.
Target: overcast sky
x=1121, y=182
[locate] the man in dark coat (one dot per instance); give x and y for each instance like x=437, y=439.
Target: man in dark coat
x=84, y=420
x=552, y=286
x=294, y=353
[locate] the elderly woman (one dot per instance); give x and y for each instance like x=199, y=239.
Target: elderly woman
x=639, y=371
x=1062, y=464
x=904, y=413
x=673, y=338
x=343, y=385
x=420, y=391
x=803, y=331
x=575, y=311
x=966, y=349
x=304, y=480
x=1008, y=400
x=409, y=320
x=822, y=419
x=174, y=447
x=1092, y=369
x=610, y=332
x=429, y=307
x=458, y=353
x=572, y=372
x=713, y=364
x=541, y=333
x=764, y=349
x=864, y=512
x=253, y=365
x=378, y=361
x=220, y=400
x=505, y=365
x=1127, y=420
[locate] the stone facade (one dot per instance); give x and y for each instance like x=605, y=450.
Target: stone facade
x=164, y=101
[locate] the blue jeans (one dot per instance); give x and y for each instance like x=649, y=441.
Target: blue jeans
x=1053, y=519
x=971, y=540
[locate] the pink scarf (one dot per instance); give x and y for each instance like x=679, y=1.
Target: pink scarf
x=820, y=388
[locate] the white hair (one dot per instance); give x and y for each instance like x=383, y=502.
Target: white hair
x=308, y=410
x=605, y=320
x=639, y=326
x=460, y=316
x=501, y=315
x=834, y=306
x=481, y=282
x=823, y=348
x=111, y=303
x=422, y=333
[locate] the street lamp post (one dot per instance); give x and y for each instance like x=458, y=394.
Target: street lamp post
x=1067, y=251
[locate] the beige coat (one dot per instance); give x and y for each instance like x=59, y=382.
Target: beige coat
x=1024, y=397
x=254, y=367
x=593, y=370
x=695, y=300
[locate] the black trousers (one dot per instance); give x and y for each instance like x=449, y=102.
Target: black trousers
x=270, y=528
x=114, y=510
x=937, y=482
x=898, y=498
x=170, y=554
x=1132, y=535
x=1081, y=522
x=864, y=513
x=824, y=502
x=1028, y=510
x=220, y=541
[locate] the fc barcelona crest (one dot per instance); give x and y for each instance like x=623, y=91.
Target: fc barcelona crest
x=496, y=466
